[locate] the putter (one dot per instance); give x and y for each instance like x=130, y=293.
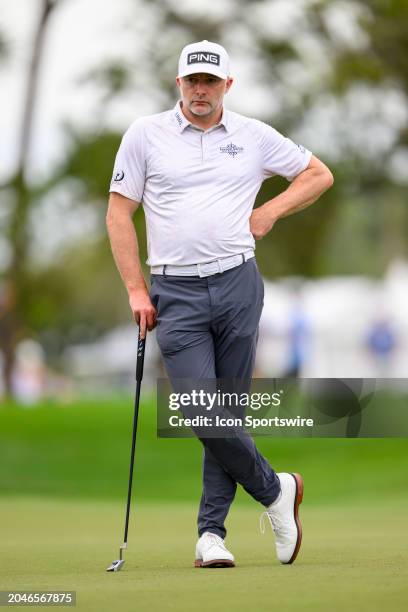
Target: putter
x=117, y=565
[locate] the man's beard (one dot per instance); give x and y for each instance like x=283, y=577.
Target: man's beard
x=207, y=109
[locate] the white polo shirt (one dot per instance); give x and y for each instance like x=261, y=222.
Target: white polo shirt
x=198, y=187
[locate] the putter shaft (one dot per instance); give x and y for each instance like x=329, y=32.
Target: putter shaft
x=117, y=565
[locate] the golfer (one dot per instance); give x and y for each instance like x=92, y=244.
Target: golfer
x=197, y=169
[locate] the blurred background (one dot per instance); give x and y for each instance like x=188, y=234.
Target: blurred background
x=332, y=75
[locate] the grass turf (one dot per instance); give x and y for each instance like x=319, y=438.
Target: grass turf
x=63, y=485
x=353, y=557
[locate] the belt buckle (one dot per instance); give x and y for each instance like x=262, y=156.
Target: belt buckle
x=209, y=263
x=202, y=274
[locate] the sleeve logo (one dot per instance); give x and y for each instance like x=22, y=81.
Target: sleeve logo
x=119, y=176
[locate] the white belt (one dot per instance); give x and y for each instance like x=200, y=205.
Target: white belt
x=204, y=269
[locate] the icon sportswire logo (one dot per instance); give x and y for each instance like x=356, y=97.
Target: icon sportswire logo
x=231, y=149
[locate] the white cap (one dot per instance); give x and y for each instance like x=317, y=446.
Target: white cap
x=204, y=56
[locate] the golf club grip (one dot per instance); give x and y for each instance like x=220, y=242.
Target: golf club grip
x=140, y=358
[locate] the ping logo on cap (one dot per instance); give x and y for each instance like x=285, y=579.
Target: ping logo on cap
x=201, y=57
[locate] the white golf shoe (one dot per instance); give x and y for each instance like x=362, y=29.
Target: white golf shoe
x=284, y=518
x=211, y=552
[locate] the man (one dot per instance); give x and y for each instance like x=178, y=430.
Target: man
x=197, y=169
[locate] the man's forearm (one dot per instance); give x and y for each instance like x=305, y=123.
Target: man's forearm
x=125, y=251
x=305, y=189
x=301, y=193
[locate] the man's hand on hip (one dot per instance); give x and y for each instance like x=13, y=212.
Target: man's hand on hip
x=304, y=189
x=143, y=311
x=261, y=222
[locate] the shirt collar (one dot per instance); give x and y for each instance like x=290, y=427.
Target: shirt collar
x=182, y=122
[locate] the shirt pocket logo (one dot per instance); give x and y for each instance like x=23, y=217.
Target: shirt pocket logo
x=231, y=149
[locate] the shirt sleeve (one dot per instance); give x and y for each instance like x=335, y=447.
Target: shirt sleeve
x=280, y=155
x=129, y=172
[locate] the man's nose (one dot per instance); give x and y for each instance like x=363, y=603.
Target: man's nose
x=200, y=87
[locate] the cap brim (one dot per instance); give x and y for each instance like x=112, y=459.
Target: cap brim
x=205, y=69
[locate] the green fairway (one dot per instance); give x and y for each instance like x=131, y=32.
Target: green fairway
x=353, y=558
x=63, y=485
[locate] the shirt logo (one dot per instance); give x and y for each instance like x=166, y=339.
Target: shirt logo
x=302, y=149
x=119, y=176
x=201, y=57
x=231, y=149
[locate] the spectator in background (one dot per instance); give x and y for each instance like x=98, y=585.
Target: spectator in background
x=298, y=337
x=381, y=342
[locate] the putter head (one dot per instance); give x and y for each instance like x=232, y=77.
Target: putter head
x=115, y=566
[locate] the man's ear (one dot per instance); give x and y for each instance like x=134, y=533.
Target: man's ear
x=228, y=84
x=178, y=81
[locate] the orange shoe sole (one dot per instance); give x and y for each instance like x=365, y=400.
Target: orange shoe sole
x=214, y=563
x=298, y=501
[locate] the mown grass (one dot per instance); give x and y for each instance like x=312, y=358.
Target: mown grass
x=63, y=485
x=352, y=558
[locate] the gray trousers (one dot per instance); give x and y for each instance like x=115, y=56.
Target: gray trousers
x=207, y=328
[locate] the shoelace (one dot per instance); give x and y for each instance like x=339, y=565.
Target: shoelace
x=275, y=522
x=216, y=541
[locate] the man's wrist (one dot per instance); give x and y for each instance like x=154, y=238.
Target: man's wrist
x=270, y=209
x=136, y=289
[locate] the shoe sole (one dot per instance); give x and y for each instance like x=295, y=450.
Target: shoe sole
x=214, y=563
x=297, y=502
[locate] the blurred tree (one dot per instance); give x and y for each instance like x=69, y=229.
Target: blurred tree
x=380, y=63
x=385, y=59
x=12, y=318
x=3, y=46
x=364, y=44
